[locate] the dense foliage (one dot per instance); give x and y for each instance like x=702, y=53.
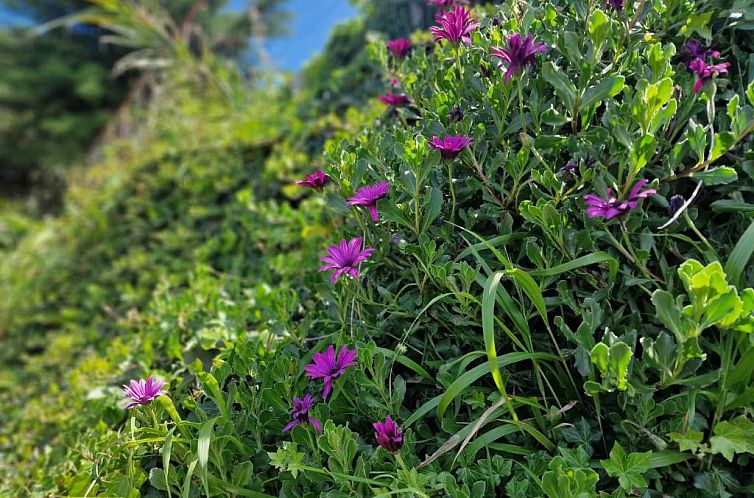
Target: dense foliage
x=523, y=340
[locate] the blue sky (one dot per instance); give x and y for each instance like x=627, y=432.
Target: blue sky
x=309, y=29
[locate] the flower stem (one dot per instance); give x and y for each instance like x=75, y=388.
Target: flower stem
x=401, y=463
x=698, y=233
x=521, y=104
x=452, y=191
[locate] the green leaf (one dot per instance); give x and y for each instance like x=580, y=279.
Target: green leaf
x=599, y=356
x=468, y=378
x=563, y=481
x=736, y=436
x=717, y=176
x=627, y=468
x=488, y=331
x=740, y=256
x=618, y=360
x=690, y=441
x=564, y=88
x=210, y=383
x=610, y=87
x=202, y=450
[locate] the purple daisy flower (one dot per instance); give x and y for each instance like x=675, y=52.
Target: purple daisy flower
x=450, y=146
x=300, y=413
x=368, y=196
x=616, y=5
x=399, y=48
x=327, y=366
x=611, y=206
x=394, y=100
x=388, y=435
x=344, y=257
x=143, y=392
x=454, y=26
x=695, y=50
x=519, y=53
x=676, y=202
x=315, y=181
x=705, y=72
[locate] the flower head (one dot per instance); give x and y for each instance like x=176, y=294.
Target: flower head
x=388, y=435
x=143, y=392
x=368, y=196
x=399, y=48
x=454, y=26
x=694, y=50
x=676, y=202
x=300, y=413
x=519, y=53
x=617, y=5
x=394, y=99
x=327, y=366
x=611, y=206
x=450, y=146
x=315, y=181
x=569, y=169
x=456, y=114
x=705, y=72
x=344, y=257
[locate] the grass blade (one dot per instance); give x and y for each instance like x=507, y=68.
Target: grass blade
x=740, y=256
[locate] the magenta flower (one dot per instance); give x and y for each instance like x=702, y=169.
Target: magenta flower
x=394, y=100
x=612, y=206
x=519, y=53
x=368, y=196
x=300, y=413
x=705, y=72
x=454, y=26
x=327, y=366
x=450, y=146
x=617, y=5
x=143, y=392
x=399, y=48
x=388, y=435
x=315, y=181
x=344, y=257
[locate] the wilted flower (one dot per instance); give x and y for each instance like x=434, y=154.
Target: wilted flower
x=612, y=206
x=455, y=115
x=344, y=257
x=394, y=100
x=518, y=54
x=368, y=196
x=388, y=435
x=300, y=413
x=485, y=70
x=143, y=392
x=705, y=72
x=450, y=146
x=454, y=26
x=327, y=366
x=617, y=5
x=315, y=181
x=569, y=169
x=399, y=48
x=395, y=83
x=675, y=204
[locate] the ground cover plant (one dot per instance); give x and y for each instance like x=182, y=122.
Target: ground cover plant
x=522, y=270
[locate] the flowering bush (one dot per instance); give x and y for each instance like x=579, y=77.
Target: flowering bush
x=541, y=286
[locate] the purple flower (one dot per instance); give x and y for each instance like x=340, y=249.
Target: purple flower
x=450, y=146
x=617, y=5
x=705, y=72
x=454, y=26
x=399, y=48
x=344, y=257
x=519, y=53
x=485, y=70
x=327, y=366
x=675, y=204
x=368, y=196
x=315, y=181
x=388, y=435
x=695, y=50
x=300, y=413
x=612, y=206
x=394, y=100
x=143, y=392
x=569, y=169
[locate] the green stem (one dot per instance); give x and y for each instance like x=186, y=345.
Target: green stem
x=401, y=463
x=452, y=191
x=698, y=233
x=521, y=104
